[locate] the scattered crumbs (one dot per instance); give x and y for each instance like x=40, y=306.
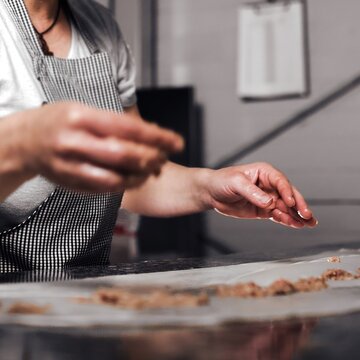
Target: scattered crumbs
x=82, y=300
x=152, y=300
x=338, y=274
x=245, y=290
x=334, y=259
x=281, y=287
x=158, y=299
x=311, y=284
x=285, y=287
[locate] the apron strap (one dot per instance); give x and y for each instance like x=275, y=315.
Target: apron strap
x=22, y=21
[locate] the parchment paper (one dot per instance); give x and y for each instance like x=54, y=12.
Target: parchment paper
x=341, y=297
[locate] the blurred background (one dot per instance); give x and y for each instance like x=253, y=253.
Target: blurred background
x=187, y=54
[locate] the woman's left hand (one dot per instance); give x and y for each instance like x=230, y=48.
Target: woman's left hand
x=258, y=191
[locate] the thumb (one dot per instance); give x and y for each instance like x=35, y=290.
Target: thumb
x=243, y=187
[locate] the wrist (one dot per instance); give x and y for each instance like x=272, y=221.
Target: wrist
x=204, y=198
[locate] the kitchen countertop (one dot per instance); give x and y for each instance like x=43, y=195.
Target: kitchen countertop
x=316, y=338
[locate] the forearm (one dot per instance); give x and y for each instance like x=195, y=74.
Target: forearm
x=177, y=191
x=13, y=171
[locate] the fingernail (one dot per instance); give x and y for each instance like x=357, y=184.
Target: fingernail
x=266, y=200
x=299, y=213
x=292, y=200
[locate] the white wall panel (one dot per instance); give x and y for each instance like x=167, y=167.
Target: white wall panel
x=128, y=14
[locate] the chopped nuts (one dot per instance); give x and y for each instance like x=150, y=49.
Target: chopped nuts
x=241, y=290
x=338, y=274
x=22, y=308
x=334, y=259
x=151, y=300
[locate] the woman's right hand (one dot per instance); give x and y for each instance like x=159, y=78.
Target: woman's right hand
x=86, y=149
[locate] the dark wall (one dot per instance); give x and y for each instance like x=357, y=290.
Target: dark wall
x=173, y=108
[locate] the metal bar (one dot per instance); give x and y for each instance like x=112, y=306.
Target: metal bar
x=154, y=43
x=149, y=20
x=297, y=119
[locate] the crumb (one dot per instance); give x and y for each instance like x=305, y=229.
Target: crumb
x=277, y=288
x=241, y=290
x=281, y=287
x=337, y=274
x=334, y=259
x=28, y=309
x=152, y=300
x=310, y=284
x=82, y=300
x=159, y=299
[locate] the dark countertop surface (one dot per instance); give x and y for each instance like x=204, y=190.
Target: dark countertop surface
x=322, y=338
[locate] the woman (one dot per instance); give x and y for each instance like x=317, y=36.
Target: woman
x=69, y=117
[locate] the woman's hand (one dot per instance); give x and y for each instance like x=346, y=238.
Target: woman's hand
x=91, y=150
x=257, y=191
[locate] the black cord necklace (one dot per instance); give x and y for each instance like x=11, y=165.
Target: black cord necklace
x=44, y=45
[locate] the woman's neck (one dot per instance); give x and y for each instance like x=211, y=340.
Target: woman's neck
x=42, y=12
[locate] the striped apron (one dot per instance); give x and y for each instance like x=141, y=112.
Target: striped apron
x=68, y=228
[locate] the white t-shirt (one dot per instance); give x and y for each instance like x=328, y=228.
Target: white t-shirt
x=20, y=90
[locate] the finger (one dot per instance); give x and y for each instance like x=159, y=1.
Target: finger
x=151, y=134
x=313, y=222
x=123, y=126
x=286, y=219
x=241, y=186
x=131, y=182
x=280, y=205
x=264, y=214
x=301, y=205
x=309, y=223
x=274, y=221
x=237, y=211
x=125, y=156
x=87, y=177
x=279, y=222
x=281, y=184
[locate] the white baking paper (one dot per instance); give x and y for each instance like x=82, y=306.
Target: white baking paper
x=341, y=297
